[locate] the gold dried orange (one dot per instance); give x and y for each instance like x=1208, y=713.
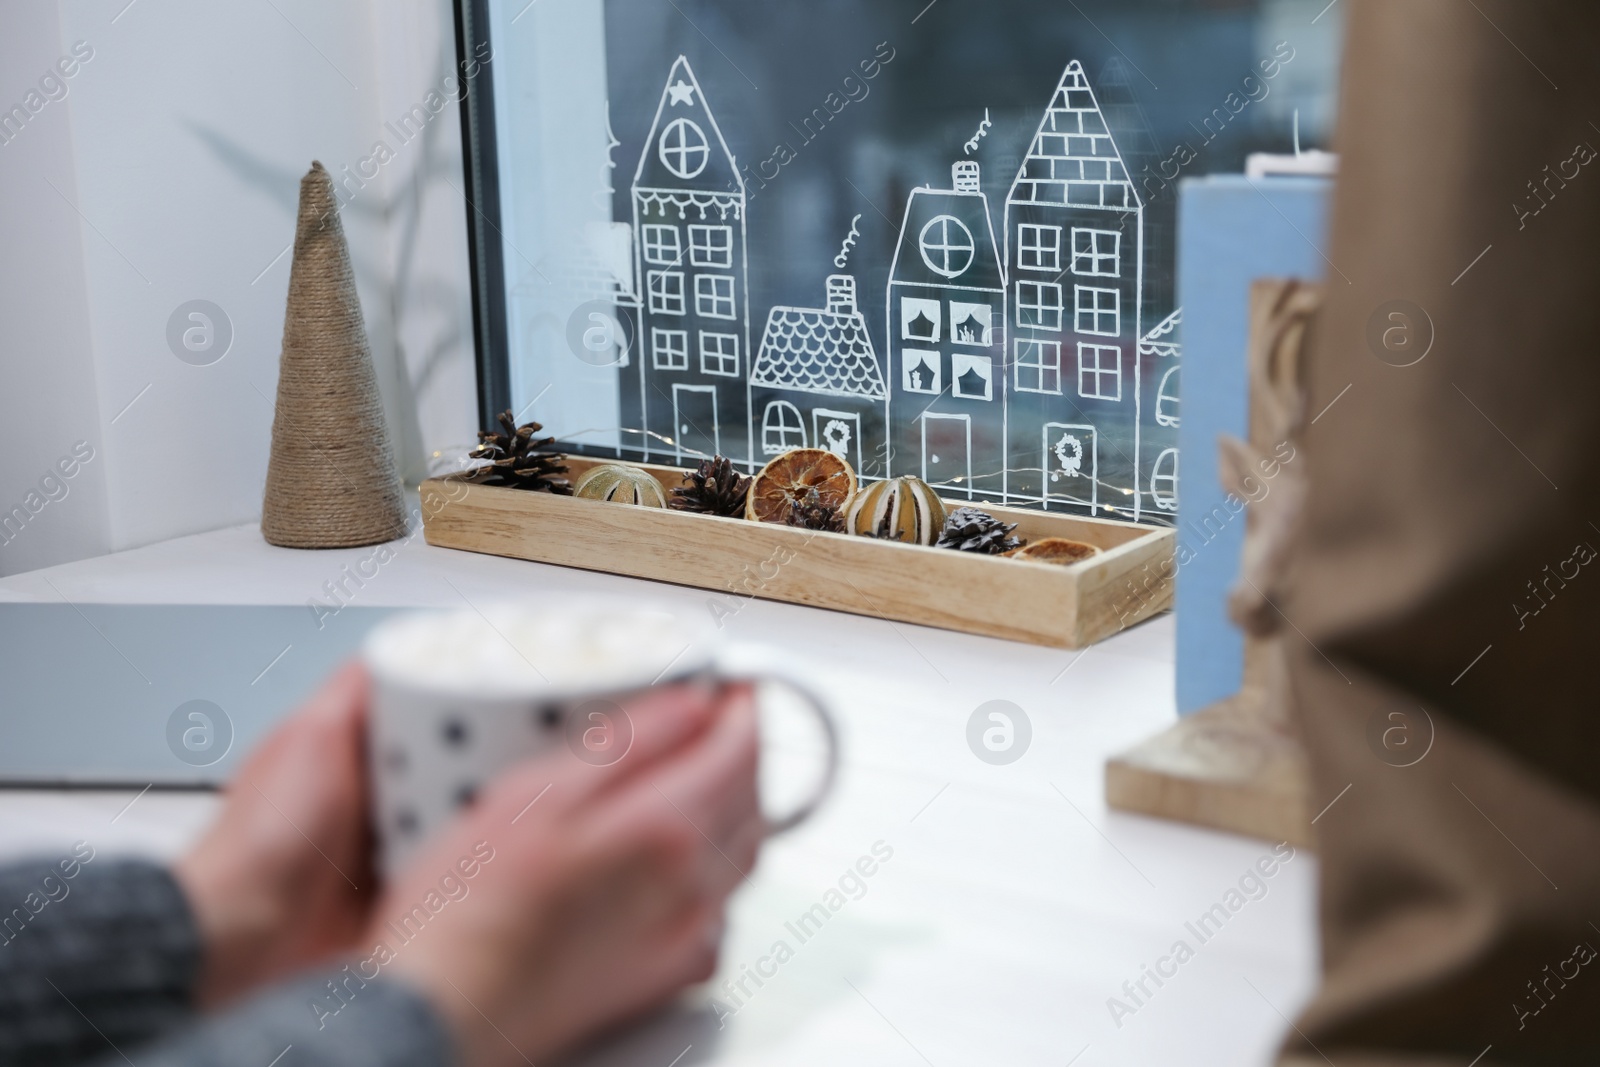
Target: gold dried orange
x=792, y=479
x=1057, y=550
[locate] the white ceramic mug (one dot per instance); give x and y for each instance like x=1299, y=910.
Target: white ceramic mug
x=459, y=696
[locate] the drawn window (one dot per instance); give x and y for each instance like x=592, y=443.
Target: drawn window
x=669, y=349
x=972, y=376
x=1039, y=247
x=1167, y=399
x=920, y=320
x=782, y=428
x=1099, y=311
x=971, y=324
x=1164, y=481
x=719, y=354
x=1097, y=253
x=1039, y=305
x=947, y=246
x=711, y=246
x=666, y=292
x=683, y=148
x=921, y=372
x=713, y=295
x=1038, y=367
x=661, y=245
x=1100, y=372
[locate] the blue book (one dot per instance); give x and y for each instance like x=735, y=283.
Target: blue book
x=1232, y=230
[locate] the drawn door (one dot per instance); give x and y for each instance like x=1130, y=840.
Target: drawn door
x=839, y=432
x=1072, y=466
x=694, y=422
x=947, y=452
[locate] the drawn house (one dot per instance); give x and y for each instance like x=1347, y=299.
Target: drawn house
x=817, y=383
x=689, y=231
x=946, y=334
x=1074, y=248
x=1160, y=351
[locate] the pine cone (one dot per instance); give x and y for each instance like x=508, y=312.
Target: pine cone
x=971, y=530
x=517, y=460
x=715, y=489
x=813, y=513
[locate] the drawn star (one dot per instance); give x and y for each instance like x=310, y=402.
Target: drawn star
x=681, y=93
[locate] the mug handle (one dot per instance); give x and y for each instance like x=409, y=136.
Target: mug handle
x=752, y=663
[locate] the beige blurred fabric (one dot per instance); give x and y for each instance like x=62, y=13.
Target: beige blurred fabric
x=1444, y=582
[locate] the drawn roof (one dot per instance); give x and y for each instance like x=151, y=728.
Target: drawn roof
x=927, y=206
x=1073, y=160
x=710, y=168
x=1162, y=340
x=818, y=351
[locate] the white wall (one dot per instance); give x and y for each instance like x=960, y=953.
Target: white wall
x=181, y=145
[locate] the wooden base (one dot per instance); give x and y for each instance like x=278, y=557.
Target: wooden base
x=1237, y=765
x=1041, y=603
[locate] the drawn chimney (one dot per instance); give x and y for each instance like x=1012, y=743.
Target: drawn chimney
x=965, y=176
x=841, y=294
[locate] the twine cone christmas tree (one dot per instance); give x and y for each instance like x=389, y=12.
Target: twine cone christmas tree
x=331, y=479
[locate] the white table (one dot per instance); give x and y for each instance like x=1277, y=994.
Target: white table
x=1014, y=907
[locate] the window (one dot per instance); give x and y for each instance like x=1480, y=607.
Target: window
x=666, y=292
x=971, y=324
x=1038, y=366
x=683, y=148
x=1167, y=400
x=711, y=246
x=719, y=354
x=947, y=246
x=1039, y=305
x=782, y=428
x=661, y=245
x=1164, y=481
x=669, y=349
x=920, y=320
x=1097, y=253
x=972, y=376
x=921, y=374
x=1099, y=311
x=1100, y=372
x=713, y=295
x=1039, y=247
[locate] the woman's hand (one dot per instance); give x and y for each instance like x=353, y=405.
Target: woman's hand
x=603, y=891
x=284, y=878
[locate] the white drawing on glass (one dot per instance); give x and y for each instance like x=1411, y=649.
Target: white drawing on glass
x=1164, y=481
x=972, y=376
x=1069, y=453
x=1162, y=339
x=946, y=450
x=922, y=372
x=842, y=260
x=983, y=131
x=1073, y=211
x=690, y=218
x=1072, y=464
x=946, y=278
x=839, y=432
x=921, y=320
x=811, y=353
x=1099, y=372
x=971, y=324
x=947, y=246
x=1167, y=402
x=782, y=428
x=684, y=148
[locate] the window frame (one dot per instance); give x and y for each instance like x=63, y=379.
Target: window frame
x=1059, y=308
x=659, y=299
x=705, y=353
x=1099, y=371
x=677, y=243
x=696, y=228
x=657, y=334
x=1024, y=247
x=1096, y=311
x=1042, y=366
x=767, y=428
x=1094, y=255
x=713, y=300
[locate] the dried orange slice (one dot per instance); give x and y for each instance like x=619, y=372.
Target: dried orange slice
x=793, y=477
x=1057, y=550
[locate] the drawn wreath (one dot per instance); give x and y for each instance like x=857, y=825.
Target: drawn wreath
x=1071, y=465
x=837, y=435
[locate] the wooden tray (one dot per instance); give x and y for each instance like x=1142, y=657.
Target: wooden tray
x=1040, y=603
